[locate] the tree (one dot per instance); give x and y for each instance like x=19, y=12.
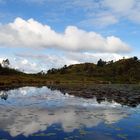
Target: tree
x=135, y=58
x=6, y=63
x=41, y=73
x=65, y=67
x=63, y=70
x=110, y=62
x=52, y=71
x=101, y=63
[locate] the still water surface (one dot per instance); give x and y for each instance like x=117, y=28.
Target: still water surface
x=42, y=114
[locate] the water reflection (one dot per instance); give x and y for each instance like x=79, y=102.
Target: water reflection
x=3, y=95
x=29, y=110
x=27, y=121
x=45, y=97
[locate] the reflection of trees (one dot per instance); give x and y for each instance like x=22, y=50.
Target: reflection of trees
x=4, y=95
x=5, y=63
x=126, y=95
x=100, y=99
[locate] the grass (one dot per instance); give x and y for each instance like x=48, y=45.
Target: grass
x=17, y=80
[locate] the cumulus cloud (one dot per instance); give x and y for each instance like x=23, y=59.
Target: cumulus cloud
x=33, y=34
x=38, y=62
x=35, y=63
x=25, y=65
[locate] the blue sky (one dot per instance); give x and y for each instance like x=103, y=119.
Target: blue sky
x=41, y=34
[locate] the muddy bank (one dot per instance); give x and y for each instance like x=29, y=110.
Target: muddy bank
x=16, y=86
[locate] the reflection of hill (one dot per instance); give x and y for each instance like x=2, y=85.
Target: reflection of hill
x=127, y=94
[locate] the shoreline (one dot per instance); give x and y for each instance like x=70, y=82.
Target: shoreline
x=124, y=94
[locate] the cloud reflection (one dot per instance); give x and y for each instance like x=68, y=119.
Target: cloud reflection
x=52, y=107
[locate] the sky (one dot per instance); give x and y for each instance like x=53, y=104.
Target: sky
x=38, y=35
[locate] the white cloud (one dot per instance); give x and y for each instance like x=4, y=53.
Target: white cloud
x=101, y=20
x=135, y=16
x=25, y=65
x=1, y=59
x=94, y=57
x=117, y=10
x=128, y=9
x=33, y=63
x=33, y=34
x=36, y=63
x=120, y=5
x=24, y=62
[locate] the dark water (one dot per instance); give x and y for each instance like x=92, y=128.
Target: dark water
x=42, y=114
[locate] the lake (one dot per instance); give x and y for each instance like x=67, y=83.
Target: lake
x=44, y=114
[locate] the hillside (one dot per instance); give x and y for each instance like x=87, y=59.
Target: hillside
x=125, y=71
x=10, y=77
x=122, y=71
